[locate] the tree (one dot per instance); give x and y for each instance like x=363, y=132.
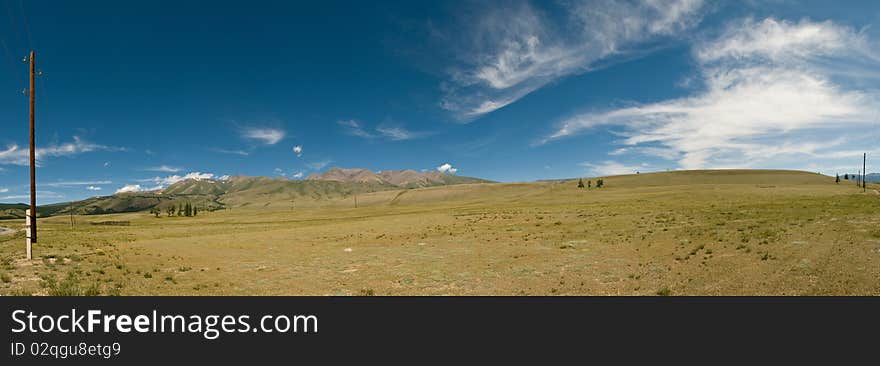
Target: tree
x=846, y=176
x=170, y=210
x=195, y=211
x=155, y=211
x=589, y=184
x=580, y=183
x=187, y=209
x=837, y=178
x=180, y=210
x=600, y=183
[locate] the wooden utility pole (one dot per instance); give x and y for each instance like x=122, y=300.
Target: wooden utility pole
x=865, y=172
x=33, y=228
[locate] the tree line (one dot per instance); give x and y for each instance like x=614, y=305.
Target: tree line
x=187, y=210
x=599, y=183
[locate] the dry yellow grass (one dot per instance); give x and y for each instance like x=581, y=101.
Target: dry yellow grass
x=681, y=233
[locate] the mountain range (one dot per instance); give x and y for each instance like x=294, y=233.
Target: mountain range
x=241, y=191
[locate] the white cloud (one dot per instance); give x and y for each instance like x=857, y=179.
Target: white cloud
x=268, y=136
x=280, y=172
x=163, y=182
x=298, y=150
x=93, y=188
x=769, y=99
x=297, y=175
x=512, y=51
x=4, y=190
x=14, y=155
x=164, y=168
x=447, y=168
x=171, y=179
x=130, y=188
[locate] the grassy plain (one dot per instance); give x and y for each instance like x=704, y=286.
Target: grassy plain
x=673, y=233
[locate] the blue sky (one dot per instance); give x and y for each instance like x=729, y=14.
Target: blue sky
x=138, y=95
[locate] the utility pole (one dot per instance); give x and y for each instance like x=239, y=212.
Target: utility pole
x=33, y=222
x=864, y=172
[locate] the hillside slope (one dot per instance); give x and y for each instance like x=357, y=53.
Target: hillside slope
x=242, y=191
x=397, y=178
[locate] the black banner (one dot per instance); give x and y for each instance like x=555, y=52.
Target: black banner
x=418, y=329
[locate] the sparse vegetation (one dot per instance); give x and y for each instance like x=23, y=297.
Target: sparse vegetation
x=690, y=233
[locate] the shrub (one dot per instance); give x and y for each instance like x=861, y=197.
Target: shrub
x=70, y=286
x=664, y=291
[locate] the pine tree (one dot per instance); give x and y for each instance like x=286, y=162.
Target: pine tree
x=580, y=183
x=589, y=184
x=195, y=211
x=837, y=179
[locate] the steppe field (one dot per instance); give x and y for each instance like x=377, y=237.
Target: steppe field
x=673, y=233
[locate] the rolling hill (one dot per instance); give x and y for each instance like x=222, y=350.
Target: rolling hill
x=241, y=191
x=397, y=178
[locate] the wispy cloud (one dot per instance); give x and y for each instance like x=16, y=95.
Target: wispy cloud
x=268, y=136
x=93, y=188
x=75, y=183
x=770, y=98
x=4, y=190
x=230, y=152
x=318, y=165
x=13, y=155
x=383, y=131
x=298, y=150
x=511, y=51
x=354, y=128
x=297, y=175
x=163, y=168
x=40, y=196
x=398, y=133
x=610, y=167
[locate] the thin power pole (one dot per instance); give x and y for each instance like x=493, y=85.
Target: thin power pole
x=33, y=159
x=865, y=172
